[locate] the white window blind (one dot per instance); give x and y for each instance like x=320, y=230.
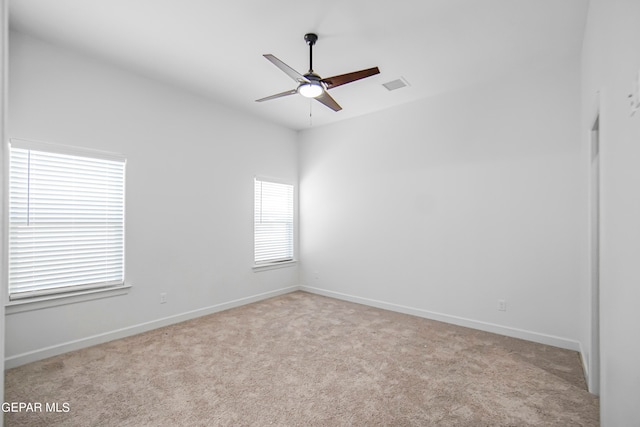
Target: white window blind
x=273, y=225
x=66, y=221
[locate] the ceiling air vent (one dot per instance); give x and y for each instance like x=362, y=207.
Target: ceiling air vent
x=396, y=84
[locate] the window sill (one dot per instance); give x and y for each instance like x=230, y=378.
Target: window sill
x=38, y=303
x=274, y=265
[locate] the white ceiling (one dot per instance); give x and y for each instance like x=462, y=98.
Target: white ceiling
x=215, y=48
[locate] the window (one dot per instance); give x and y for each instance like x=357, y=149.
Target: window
x=273, y=222
x=66, y=219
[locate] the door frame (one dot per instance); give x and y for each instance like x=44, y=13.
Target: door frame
x=595, y=244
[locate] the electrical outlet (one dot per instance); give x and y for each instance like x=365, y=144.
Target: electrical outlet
x=163, y=297
x=502, y=305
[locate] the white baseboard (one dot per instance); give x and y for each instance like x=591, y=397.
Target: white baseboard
x=455, y=320
x=43, y=353
x=585, y=367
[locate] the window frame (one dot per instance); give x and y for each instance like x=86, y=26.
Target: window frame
x=274, y=264
x=73, y=294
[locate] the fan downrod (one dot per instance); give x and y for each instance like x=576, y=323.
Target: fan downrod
x=311, y=39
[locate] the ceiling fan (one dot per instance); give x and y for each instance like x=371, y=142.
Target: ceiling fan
x=311, y=85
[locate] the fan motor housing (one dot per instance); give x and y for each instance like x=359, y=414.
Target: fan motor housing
x=313, y=76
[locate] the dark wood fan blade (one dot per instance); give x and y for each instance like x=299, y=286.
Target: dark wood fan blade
x=335, y=81
x=278, y=95
x=288, y=70
x=327, y=100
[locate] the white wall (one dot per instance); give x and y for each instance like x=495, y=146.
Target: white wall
x=611, y=59
x=189, y=200
x=442, y=207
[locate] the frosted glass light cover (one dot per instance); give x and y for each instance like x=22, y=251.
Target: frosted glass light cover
x=310, y=90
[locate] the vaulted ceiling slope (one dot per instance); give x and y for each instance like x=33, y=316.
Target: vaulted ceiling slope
x=215, y=48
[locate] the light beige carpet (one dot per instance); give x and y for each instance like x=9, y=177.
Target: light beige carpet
x=306, y=360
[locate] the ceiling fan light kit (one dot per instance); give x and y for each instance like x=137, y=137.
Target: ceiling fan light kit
x=311, y=85
x=310, y=90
